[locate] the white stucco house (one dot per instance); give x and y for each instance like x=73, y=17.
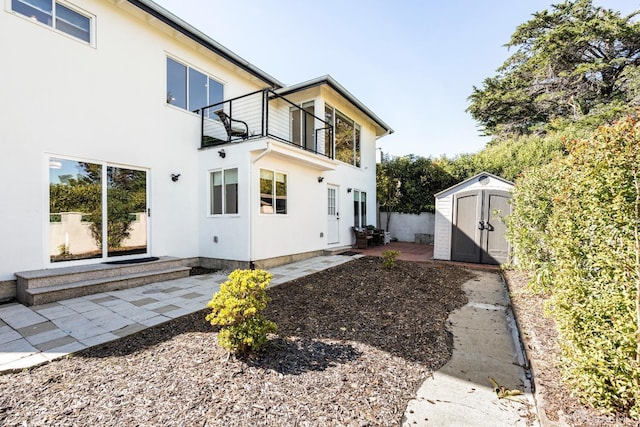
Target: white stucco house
x=114, y=147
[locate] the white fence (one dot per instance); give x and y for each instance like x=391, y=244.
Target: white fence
x=410, y=227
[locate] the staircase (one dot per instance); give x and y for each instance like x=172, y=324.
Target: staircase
x=45, y=286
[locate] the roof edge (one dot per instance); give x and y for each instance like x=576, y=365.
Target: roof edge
x=506, y=181
x=332, y=83
x=198, y=36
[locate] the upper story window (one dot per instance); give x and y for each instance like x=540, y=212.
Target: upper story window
x=61, y=16
x=346, y=136
x=273, y=192
x=224, y=192
x=190, y=89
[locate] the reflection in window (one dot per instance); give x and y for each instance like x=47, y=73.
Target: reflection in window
x=347, y=137
x=72, y=23
x=224, y=192
x=190, y=89
x=77, y=211
x=75, y=200
x=273, y=192
x=66, y=19
x=176, y=84
x=126, y=203
x=302, y=126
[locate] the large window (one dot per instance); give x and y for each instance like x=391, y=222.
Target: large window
x=96, y=210
x=347, y=136
x=359, y=209
x=224, y=192
x=190, y=89
x=61, y=16
x=273, y=192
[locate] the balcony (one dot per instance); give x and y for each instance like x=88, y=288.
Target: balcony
x=262, y=114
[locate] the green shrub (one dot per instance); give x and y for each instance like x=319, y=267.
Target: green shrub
x=580, y=231
x=389, y=259
x=528, y=227
x=236, y=308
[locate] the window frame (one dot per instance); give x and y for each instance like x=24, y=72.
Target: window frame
x=224, y=197
x=275, y=196
x=53, y=17
x=332, y=114
x=359, y=209
x=188, y=71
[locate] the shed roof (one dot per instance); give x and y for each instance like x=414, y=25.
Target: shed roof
x=460, y=184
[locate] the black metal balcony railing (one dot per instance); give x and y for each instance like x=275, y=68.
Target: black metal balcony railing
x=264, y=113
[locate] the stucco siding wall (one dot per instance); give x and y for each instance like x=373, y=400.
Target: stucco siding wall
x=404, y=227
x=102, y=103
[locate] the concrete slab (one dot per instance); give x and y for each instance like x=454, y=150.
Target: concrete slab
x=460, y=393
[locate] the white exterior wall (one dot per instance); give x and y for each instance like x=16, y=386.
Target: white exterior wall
x=404, y=227
x=106, y=103
x=103, y=103
x=444, y=210
x=442, y=228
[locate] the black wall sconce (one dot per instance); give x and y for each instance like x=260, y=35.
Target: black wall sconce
x=222, y=154
x=320, y=178
x=349, y=190
x=175, y=177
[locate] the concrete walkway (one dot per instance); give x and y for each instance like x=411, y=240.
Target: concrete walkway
x=485, y=344
x=30, y=336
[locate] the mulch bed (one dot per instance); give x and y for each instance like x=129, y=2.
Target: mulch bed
x=354, y=344
x=540, y=338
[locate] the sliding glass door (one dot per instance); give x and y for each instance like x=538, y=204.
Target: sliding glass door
x=96, y=211
x=126, y=211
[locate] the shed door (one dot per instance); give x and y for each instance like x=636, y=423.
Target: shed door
x=495, y=247
x=465, y=240
x=478, y=232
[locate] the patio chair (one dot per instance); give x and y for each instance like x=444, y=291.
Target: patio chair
x=363, y=237
x=233, y=127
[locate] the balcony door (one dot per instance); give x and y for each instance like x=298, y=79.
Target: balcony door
x=302, y=126
x=97, y=211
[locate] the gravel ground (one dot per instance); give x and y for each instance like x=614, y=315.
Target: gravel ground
x=354, y=344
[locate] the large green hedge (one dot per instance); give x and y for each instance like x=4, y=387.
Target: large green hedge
x=575, y=225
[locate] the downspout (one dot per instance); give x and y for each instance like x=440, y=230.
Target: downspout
x=264, y=152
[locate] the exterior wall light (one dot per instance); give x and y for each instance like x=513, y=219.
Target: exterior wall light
x=320, y=178
x=349, y=190
x=222, y=154
x=175, y=177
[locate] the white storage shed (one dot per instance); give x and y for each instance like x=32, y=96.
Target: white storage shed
x=468, y=223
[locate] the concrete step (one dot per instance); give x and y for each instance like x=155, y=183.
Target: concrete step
x=59, y=276
x=45, y=286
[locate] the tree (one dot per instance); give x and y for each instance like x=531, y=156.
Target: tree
x=570, y=61
x=407, y=184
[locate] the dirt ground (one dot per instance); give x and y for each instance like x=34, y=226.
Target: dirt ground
x=540, y=339
x=354, y=343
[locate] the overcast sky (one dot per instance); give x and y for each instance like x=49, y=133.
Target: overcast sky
x=414, y=63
